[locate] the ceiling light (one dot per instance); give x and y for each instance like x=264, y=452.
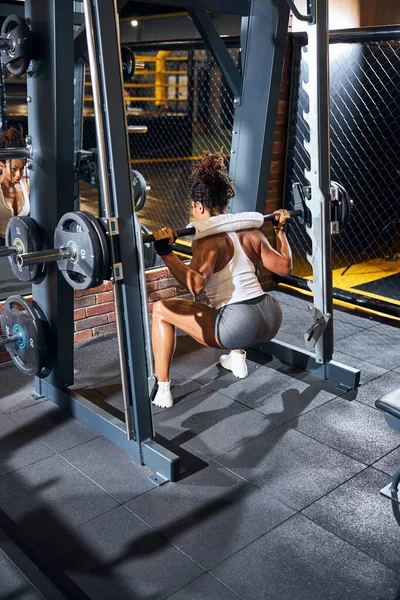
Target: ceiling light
x=134, y=23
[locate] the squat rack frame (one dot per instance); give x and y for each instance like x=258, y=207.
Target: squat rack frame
x=51, y=127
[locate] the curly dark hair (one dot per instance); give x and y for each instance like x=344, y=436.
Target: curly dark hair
x=210, y=183
x=12, y=138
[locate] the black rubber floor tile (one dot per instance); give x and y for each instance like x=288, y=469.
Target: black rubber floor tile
x=104, y=367
x=15, y=586
x=371, y=346
x=225, y=379
x=182, y=388
x=111, y=468
x=50, y=496
x=291, y=466
x=350, y=427
x=372, y=390
x=53, y=426
x=389, y=463
x=357, y=513
x=116, y=556
x=16, y=390
x=368, y=370
x=205, y=587
x=301, y=561
x=278, y=395
x=343, y=315
x=212, y=424
x=391, y=331
x=296, y=322
x=198, y=363
x=353, y=318
x=17, y=447
x=210, y=515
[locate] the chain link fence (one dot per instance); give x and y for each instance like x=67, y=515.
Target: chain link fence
x=365, y=158
x=188, y=107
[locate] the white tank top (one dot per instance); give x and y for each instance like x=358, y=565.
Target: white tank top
x=236, y=282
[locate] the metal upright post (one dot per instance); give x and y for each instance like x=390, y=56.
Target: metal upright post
x=102, y=29
x=263, y=41
x=79, y=94
x=50, y=118
x=317, y=88
x=319, y=175
x=3, y=101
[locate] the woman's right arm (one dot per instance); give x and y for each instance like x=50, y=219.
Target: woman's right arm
x=278, y=261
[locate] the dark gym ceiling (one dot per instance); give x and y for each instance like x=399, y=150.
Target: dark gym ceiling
x=139, y=9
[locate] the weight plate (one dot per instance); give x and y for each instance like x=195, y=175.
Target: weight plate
x=128, y=63
x=150, y=255
x=345, y=206
x=29, y=353
x=100, y=229
x=83, y=270
x=139, y=190
x=17, y=60
x=24, y=233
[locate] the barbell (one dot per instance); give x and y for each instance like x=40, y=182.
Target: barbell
x=81, y=248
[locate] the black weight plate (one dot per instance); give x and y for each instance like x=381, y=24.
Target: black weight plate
x=139, y=190
x=17, y=61
x=24, y=233
x=150, y=255
x=30, y=351
x=345, y=206
x=76, y=231
x=100, y=229
x=128, y=63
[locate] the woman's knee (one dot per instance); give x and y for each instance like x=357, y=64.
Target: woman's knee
x=158, y=309
x=163, y=308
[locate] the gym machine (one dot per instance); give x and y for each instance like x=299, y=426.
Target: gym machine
x=53, y=174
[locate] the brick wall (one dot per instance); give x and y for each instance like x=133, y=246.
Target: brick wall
x=94, y=309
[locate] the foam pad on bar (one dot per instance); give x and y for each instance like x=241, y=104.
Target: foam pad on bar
x=226, y=223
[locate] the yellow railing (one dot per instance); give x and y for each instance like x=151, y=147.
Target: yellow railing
x=160, y=85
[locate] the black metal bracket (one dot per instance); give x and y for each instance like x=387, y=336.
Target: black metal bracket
x=310, y=17
x=215, y=44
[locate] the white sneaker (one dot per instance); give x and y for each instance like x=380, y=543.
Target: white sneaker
x=236, y=363
x=163, y=398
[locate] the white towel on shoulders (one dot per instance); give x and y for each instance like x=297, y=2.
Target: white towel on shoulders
x=226, y=223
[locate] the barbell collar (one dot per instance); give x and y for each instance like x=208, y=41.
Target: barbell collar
x=7, y=44
x=9, y=339
x=8, y=251
x=45, y=256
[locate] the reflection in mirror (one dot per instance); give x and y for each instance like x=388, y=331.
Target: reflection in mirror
x=14, y=201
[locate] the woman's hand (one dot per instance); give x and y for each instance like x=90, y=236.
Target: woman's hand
x=164, y=239
x=281, y=216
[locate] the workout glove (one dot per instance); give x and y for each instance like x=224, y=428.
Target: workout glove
x=164, y=238
x=281, y=216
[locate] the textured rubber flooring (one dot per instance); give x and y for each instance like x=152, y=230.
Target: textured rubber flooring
x=280, y=499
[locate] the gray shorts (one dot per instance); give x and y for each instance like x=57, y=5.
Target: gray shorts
x=242, y=324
